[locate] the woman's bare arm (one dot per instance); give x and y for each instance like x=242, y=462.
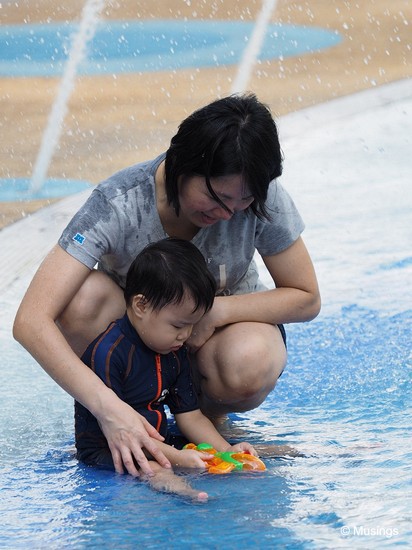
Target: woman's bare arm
x=296, y=297
x=56, y=282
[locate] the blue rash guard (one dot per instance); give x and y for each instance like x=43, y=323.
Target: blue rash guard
x=144, y=379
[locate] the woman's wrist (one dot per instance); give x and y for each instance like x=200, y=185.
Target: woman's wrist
x=219, y=312
x=104, y=401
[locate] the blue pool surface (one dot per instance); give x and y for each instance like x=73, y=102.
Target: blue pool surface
x=142, y=46
x=344, y=400
x=18, y=189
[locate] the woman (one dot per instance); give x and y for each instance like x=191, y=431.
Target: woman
x=216, y=187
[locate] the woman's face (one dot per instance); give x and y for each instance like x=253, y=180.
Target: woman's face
x=200, y=208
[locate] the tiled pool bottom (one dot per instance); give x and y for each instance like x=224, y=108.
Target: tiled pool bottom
x=343, y=402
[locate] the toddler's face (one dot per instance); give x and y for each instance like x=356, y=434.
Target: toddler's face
x=167, y=329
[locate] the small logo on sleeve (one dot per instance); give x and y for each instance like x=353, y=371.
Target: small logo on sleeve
x=79, y=238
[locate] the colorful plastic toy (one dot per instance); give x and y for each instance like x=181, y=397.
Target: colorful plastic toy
x=225, y=462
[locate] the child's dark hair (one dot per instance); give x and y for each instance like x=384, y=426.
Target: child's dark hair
x=233, y=135
x=166, y=271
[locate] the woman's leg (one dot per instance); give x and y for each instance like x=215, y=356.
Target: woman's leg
x=239, y=366
x=98, y=302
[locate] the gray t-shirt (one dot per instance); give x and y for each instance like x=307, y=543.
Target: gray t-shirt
x=120, y=218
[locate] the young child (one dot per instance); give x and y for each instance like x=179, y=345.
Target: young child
x=142, y=358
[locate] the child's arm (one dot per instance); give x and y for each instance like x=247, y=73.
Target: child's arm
x=197, y=428
x=187, y=458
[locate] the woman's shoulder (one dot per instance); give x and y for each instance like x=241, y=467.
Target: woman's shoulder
x=133, y=178
x=276, y=192
x=279, y=201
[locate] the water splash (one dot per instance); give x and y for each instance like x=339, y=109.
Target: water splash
x=51, y=136
x=253, y=47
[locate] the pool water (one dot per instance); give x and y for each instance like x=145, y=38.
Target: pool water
x=344, y=400
x=18, y=189
x=142, y=46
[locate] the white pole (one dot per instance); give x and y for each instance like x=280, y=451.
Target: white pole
x=51, y=136
x=253, y=47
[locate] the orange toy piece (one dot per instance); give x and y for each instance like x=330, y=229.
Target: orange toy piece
x=225, y=462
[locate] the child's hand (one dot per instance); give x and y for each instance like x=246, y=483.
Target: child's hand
x=241, y=448
x=189, y=458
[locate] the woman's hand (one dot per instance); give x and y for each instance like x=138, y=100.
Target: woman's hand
x=205, y=328
x=127, y=434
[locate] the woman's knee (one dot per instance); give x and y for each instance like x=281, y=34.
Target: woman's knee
x=248, y=362
x=98, y=302
x=97, y=293
x=261, y=352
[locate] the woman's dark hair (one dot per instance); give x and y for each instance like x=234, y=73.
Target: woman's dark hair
x=233, y=135
x=166, y=271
